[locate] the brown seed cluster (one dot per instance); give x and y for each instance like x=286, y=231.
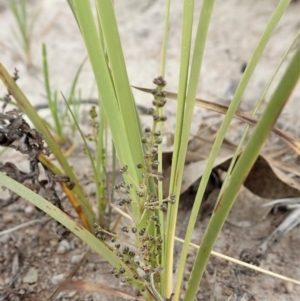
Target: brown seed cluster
x=144, y=258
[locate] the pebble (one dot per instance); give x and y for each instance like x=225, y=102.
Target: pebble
x=28, y=210
x=32, y=289
x=4, y=238
x=61, y=250
x=9, y=217
x=93, y=267
x=72, y=244
x=76, y=258
x=31, y=276
x=64, y=295
x=53, y=242
x=288, y=287
x=63, y=247
x=56, y=279
x=71, y=294
x=56, y=260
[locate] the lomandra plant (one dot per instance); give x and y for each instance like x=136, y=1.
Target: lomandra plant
x=147, y=262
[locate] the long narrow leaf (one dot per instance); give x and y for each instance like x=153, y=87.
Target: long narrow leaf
x=241, y=170
x=186, y=39
x=223, y=129
x=120, y=78
x=102, y=76
x=178, y=159
x=107, y=93
x=52, y=100
x=95, y=172
x=160, y=151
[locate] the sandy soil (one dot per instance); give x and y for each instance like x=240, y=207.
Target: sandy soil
x=234, y=32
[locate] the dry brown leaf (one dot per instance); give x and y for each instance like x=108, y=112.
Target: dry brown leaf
x=264, y=180
x=268, y=181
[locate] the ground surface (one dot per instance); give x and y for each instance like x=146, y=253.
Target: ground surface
x=235, y=29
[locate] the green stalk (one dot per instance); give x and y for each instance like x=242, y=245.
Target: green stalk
x=112, y=183
x=71, y=98
x=20, y=13
x=160, y=128
x=241, y=170
x=101, y=163
x=186, y=38
x=52, y=102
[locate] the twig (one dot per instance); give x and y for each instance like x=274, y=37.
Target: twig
x=290, y=222
x=24, y=225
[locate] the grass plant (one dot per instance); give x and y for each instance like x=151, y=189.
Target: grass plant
x=139, y=196
x=25, y=26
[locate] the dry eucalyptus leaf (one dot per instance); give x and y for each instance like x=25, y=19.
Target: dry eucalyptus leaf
x=264, y=179
x=268, y=181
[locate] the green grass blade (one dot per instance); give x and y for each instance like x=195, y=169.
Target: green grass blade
x=225, y=125
x=186, y=39
x=102, y=76
x=20, y=23
x=51, y=99
x=120, y=78
x=107, y=93
x=95, y=171
x=241, y=170
x=71, y=97
x=33, y=22
x=20, y=13
x=72, y=7
x=160, y=128
x=75, y=80
x=46, y=74
x=23, y=11
x=179, y=156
